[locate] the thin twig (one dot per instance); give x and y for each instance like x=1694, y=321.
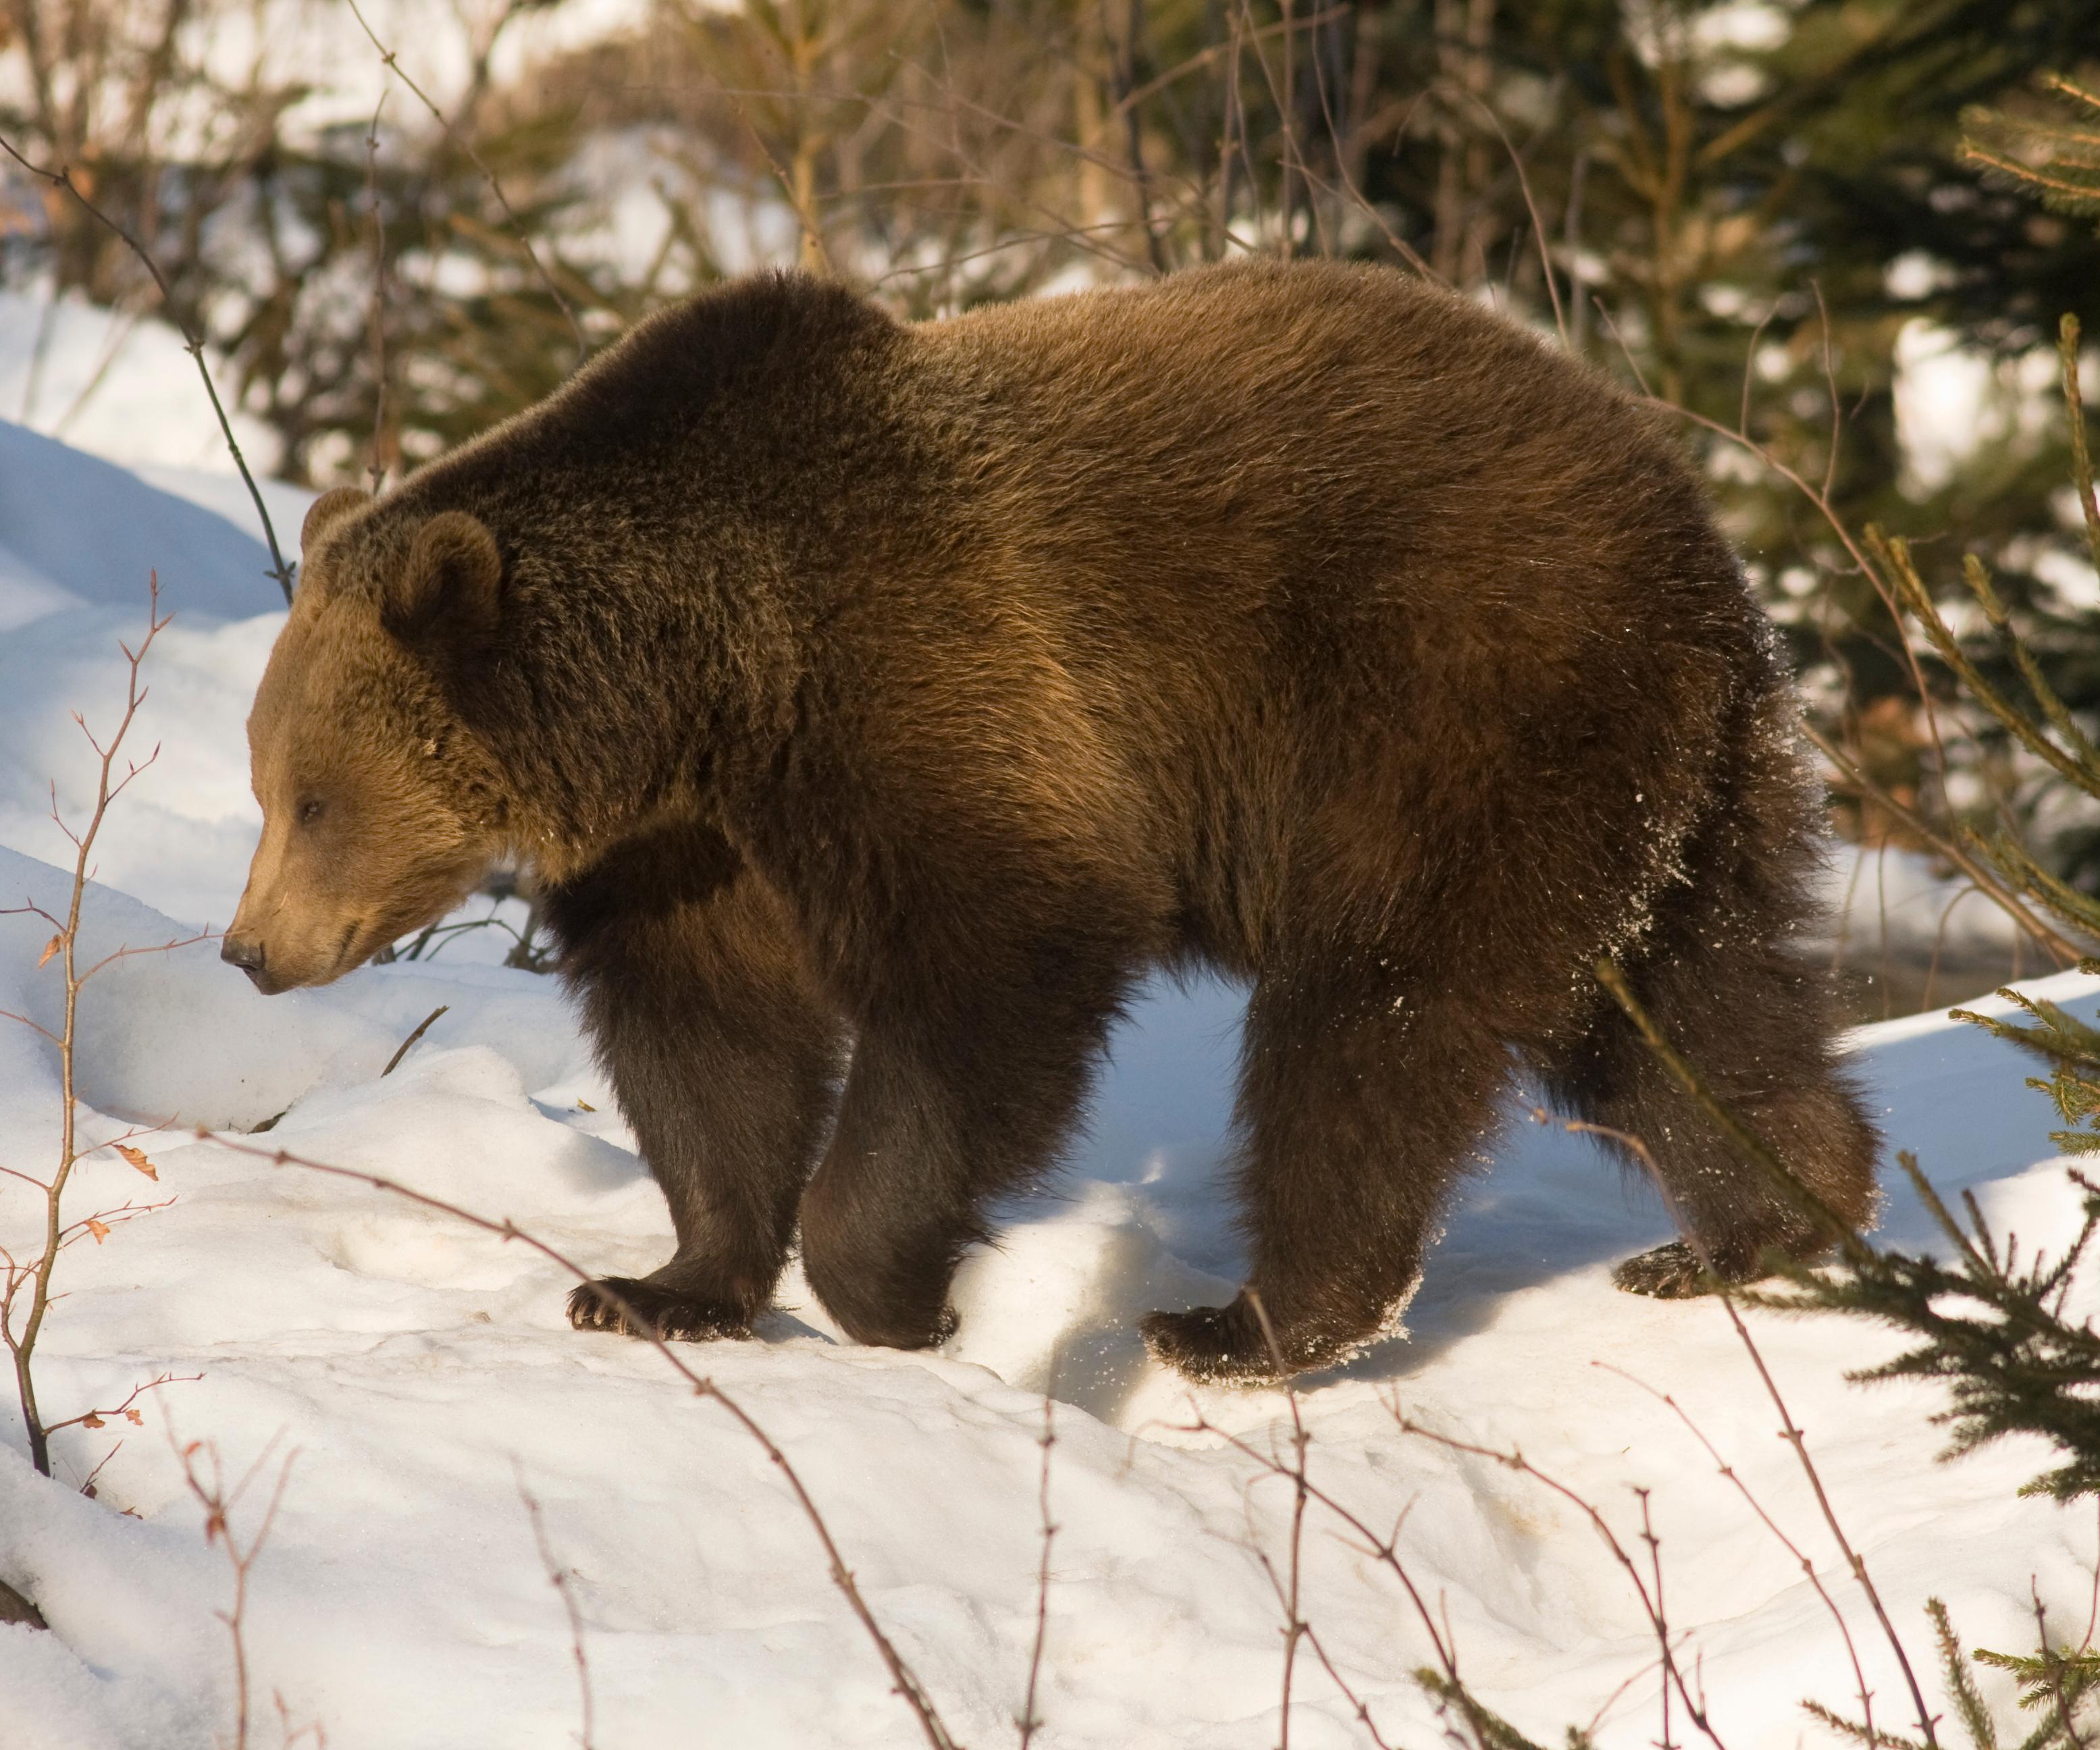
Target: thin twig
x=96, y=1418
x=1987, y=884
x=87, y=1482
x=1807, y=1567
x=193, y=344
x=1288, y=1593
x=2081, y=461
x=1830, y=388
x=2093, y=1615
x=1293, y=1622
x=1828, y=511
x=65, y=945
x=1824, y=508
x=392, y=63
x=1894, y=553
x=1123, y=72
x=219, y=1503
x=422, y=1027
x=1655, y=1576
x=1651, y=1601
x=1031, y=1723
x=1357, y=1705
x=559, y=1578
x=2053, y=1665
x=1819, y=1214
x=376, y=468
x=1524, y=185
x=1385, y=1551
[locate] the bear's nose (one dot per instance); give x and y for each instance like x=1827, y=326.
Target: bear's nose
x=238, y=950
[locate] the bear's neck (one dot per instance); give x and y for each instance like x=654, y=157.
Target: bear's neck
x=628, y=681
x=675, y=525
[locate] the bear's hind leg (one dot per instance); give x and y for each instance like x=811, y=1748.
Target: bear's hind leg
x=1718, y=972
x=1363, y=1094
x=725, y=1061
x=1755, y=1022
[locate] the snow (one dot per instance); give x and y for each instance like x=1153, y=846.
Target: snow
x=416, y=1368
x=118, y=383
x=79, y=540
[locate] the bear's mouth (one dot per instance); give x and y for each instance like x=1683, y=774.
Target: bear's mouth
x=343, y=962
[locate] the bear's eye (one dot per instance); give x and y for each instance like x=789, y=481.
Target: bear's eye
x=310, y=811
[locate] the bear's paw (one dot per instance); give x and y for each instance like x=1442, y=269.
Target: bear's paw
x=615, y=1303
x=1228, y=1345
x=1668, y=1272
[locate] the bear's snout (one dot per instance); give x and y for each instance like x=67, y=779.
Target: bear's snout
x=247, y=953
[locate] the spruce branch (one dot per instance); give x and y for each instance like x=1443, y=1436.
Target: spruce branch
x=1990, y=1324
x=1894, y=556
x=2053, y=156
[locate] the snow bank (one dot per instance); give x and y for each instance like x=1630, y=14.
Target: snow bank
x=417, y=1367
x=79, y=540
x=92, y=532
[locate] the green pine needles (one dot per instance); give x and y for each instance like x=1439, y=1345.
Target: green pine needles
x=1989, y=1322
x=2054, y=1681
x=2053, y=153
x=2072, y=1051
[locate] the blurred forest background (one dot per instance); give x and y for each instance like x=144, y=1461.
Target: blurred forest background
x=1837, y=235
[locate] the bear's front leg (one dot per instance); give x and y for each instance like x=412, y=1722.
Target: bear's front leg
x=950, y=1103
x=724, y=1059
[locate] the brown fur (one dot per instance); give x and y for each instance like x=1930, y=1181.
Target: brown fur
x=920, y=687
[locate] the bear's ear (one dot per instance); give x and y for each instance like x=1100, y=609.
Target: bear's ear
x=451, y=588
x=327, y=510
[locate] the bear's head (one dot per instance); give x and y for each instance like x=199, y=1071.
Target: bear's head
x=380, y=807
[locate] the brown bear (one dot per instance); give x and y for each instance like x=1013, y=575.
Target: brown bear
x=876, y=702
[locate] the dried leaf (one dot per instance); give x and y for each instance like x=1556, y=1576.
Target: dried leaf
x=51, y=948
x=135, y=1418
x=91, y=1420
x=137, y=1157
x=100, y=1230
x=584, y=1105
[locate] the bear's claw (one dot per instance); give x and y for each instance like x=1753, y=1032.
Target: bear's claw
x=678, y=1318
x=1227, y=1345
x=1668, y=1272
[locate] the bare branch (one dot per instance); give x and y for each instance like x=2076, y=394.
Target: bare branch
x=59, y=1233
x=393, y=65
x=422, y=1027
x=561, y=1579
x=1825, y=1223
x=1807, y=1567
x=96, y=1418
x=219, y=1503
